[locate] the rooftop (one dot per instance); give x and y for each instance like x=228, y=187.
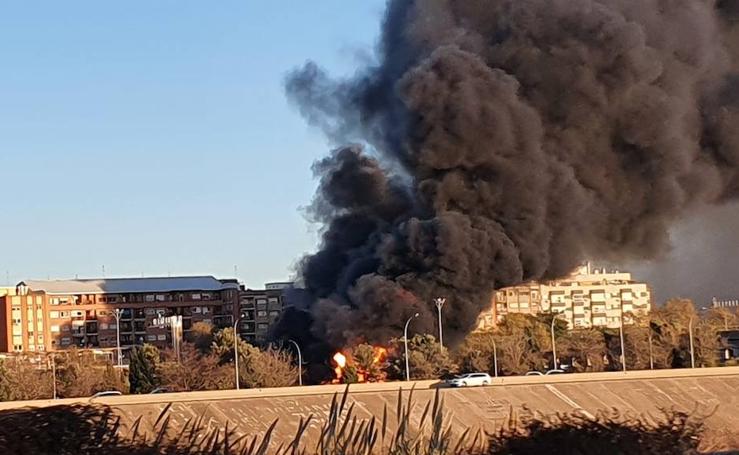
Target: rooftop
x=129, y=285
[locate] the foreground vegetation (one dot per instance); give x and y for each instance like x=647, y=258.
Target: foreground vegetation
x=97, y=429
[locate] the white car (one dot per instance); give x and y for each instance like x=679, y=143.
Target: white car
x=471, y=379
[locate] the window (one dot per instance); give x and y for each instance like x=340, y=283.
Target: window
x=63, y=314
x=149, y=298
x=54, y=329
x=195, y=296
x=161, y=337
x=262, y=313
x=151, y=337
x=102, y=313
x=53, y=314
x=274, y=313
x=160, y=298
x=103, y=326
x=262, y=326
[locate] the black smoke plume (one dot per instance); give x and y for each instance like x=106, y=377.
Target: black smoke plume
x=499, y=141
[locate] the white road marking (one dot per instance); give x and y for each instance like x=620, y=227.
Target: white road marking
x=569, y=401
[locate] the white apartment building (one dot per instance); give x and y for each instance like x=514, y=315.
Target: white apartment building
x=586, y=298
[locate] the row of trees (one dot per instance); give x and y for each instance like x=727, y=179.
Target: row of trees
x=205, y=363
x=523, y=343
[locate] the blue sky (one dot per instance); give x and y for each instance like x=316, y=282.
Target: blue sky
x=155, y=137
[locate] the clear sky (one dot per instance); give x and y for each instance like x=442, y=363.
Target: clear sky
x=154, y=137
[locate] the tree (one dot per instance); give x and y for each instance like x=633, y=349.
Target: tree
x=22, y=380
x=81, y=374
x=201, y=336
x=142, y=369
x=194, y=371
x=426, y=359
x=476, y=353
x=270, y=368
x=585, y=347
x=222, y=345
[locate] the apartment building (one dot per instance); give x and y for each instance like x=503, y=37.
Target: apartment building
x=586, y=298
x=261, y=308
x=60, y=314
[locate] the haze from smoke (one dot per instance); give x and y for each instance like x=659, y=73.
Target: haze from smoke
x=499, y=141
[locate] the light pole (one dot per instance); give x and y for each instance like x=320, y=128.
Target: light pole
x=440, y=303
x=117, y=313
x=621, y=334
x=495, y=358
x=236, y=350
x=651, y=355
x=554, y=346
x=300, y=362
x=405, y=341
x=690, y=333
x=53, y=375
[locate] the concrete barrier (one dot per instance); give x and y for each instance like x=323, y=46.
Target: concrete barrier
x=253, y=410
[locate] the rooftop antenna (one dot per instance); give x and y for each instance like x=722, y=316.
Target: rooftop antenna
x=103, y=270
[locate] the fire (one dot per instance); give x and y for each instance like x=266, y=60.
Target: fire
x=347, y=368
x=340, y=359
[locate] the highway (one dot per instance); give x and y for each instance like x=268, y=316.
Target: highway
x=369, y=388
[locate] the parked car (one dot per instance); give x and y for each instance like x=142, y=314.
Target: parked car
x=107, y=393
x=534, y=373
x=471, y=379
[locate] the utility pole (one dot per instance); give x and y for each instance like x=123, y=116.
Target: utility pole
x=440, y=303
x=621, y=334
x=692, y=352
x=405, y=341
x=554, y=346
x=300, y=362
x=495, y=358
x=117, y=313
x=236, y=350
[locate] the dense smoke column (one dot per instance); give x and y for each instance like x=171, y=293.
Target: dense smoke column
x=507, y=140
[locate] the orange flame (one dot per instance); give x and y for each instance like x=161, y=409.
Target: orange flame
x=340, y=359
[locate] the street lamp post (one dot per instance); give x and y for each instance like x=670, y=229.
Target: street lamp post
x=621, y=334
x=236, y=350
x=53, y=375
x=495, y=359
x=692, y=352
x=117, y=313
x=405, y=341
x=300, y=362
x=554, y=346
x=440, y=303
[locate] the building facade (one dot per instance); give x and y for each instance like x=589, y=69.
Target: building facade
x=61, y=314
x=586, y=298
x=260, y=309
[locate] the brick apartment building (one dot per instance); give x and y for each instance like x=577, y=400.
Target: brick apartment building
x=60, y=314
x=261, y=308
x=586, y=298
